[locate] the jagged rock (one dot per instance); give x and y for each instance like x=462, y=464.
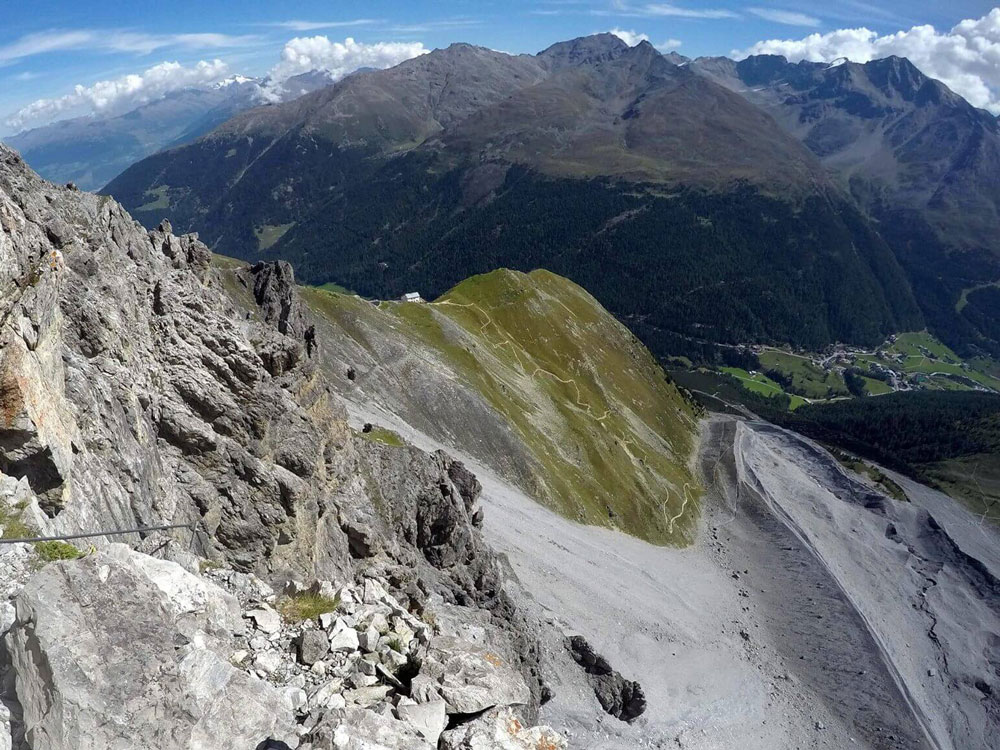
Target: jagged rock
x=429, y=719
x=501, y=729
x=618, y=696
x=265, y=620
x=343, y=637
x=109, y=638
x=368, y=696
x=468, y=677
x=142, y=390
x=267, y=662
x=357, y=729
x=313, y=645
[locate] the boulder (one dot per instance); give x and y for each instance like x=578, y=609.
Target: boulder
x=120, y=650
x=313, y=645
x=266, y=620
x=468, y=677
x=358, y=729
x=343, y=637
x=501, y=729
x=620, y=697
x=429, y=719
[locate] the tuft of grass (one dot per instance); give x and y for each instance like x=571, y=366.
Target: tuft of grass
x=384, y=436
x=53, y=551
x=306, y=606
x=206, y=566
x=13, y=526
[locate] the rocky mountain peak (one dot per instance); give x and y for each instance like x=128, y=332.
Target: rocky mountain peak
x=584, y=50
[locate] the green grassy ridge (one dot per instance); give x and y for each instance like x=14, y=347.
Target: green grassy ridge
x=609, y=436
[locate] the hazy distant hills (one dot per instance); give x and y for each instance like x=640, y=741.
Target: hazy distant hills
x=706, y=200
x=90, y=151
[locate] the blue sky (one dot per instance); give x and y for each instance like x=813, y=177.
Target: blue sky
x=47, y=46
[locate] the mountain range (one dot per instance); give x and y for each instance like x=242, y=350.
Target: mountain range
x=91, y=151
x=919, y=160
x=685, y=208
x=414, y=525
x=699, y=200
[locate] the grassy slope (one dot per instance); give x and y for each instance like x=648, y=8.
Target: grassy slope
x=808, y=379
x=609, y=436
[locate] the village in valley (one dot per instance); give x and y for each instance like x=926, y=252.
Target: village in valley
x=904, y=362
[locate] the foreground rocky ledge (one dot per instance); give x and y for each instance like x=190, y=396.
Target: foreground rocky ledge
x=120, y=649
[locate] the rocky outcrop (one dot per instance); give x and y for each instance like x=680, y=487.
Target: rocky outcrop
x=223, y=661
x=140, y=387
x=124, y=650
x=620, y=697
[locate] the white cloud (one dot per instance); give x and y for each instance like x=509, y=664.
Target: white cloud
x=659, y=10
x=966, y=58
x=112, y=40
x=121, y=94
x=631, y=38
x=669, y=45
x=316, y=25
x=786, y=17
x=303, y=54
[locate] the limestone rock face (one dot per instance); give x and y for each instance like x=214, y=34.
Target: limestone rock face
x=121, y=650
x=500, y=729
x=141, y=387
x=468, y=677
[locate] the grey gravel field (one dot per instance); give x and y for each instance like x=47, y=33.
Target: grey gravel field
x=812, y=612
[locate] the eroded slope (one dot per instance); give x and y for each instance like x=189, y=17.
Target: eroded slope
x=528, y=373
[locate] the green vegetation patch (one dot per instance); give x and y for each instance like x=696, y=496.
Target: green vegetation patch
x=159, y=199
x=609, y=438
x=805, y=378
x=269, y=234
x=306, y=606
x=975, y=480
x=382, y=435
x=13, y=526
x=56, y=550
x=335, y=288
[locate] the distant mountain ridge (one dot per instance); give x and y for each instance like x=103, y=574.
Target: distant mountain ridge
x=688, y=208
x=917, y=157
x=91, y=151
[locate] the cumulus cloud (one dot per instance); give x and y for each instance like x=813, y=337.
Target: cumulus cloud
x=966, y=58
x=669, y=45
x=304, y=54
x=121, y=94
x=786, y=17
x=631, y=38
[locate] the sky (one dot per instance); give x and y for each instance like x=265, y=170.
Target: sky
x=65, y=58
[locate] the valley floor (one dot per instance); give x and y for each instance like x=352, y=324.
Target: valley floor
x=811, y=612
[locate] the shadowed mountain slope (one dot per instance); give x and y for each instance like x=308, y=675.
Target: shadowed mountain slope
x=916, y=156
x=679, y=204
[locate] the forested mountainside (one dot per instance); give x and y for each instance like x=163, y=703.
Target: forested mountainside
x=682, y=207
x=918, y=158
